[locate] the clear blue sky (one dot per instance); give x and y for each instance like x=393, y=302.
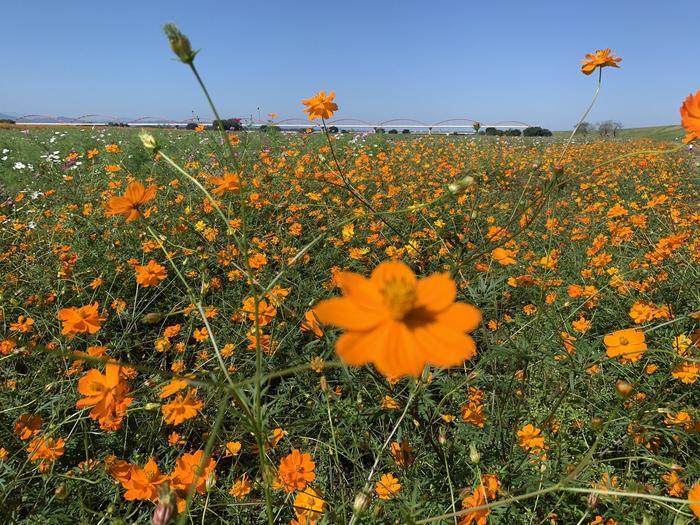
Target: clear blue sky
x=430, y=60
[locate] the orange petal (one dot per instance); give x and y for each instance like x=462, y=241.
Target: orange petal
x=342, y=312
x=390, y=271
x=398, y=354
x=437, y=292
x=460, y=317
x=361, y=290
x=134, y=192
x=444, y=346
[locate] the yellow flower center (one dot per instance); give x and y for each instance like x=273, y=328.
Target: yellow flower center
x=399, y=297
x=624, y=341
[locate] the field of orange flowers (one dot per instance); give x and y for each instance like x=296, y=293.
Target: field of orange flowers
x=263, y=327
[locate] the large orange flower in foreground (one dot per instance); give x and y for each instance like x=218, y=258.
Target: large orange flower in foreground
x=135, y=196
x=83, y=320
x=400, y=323
x=690, y=116
x=320, y=105
x=601, y=58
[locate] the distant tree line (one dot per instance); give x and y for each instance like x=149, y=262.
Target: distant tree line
x=606, y=128
x=532, y=131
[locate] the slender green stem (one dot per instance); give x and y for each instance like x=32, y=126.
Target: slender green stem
x=367, y=486
x=257, y=397
x=585, y=114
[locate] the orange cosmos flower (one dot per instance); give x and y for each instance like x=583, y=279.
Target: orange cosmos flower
x=241, y=487
x=402, y=453
x=229, y=182
x=185, y=469
x=694, y=495
x=144, y=483
x=182, y=408
x=106, y=394
x=118, y=469
x=529, y=437
x=6, y=346
x=43, y=448
x=674, y=485
x=473, y=413
x=83, y=320
x=400, y=323
x=387, y=487
x=687, y=372
x=690, y=116
x=296, y=471
x=473, y=500
x=308, y=507
x=233, y=448
x=627, y=344
x=310, y=324
x=150, y=274
x=503, y=256
x=127, y=206
x=27, y=425
x=173, y=388
x=490, y=485
x=601, y=58
x=320, y=105
x=23, y=324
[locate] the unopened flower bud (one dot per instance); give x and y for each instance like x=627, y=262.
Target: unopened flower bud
x=151, y=318
x=61, y=491
x=558, y=170
x=323, y=384
x=624, y=388
x=596, y=422
x=458, y=187
x=148, y=141
x=165, y=510
x=360, y=503
x=474, y=455
x=162, y=514
x=180, y=44
x=210, y=481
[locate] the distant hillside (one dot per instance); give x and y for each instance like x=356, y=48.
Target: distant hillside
x=652, y=132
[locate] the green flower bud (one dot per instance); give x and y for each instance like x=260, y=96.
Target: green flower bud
x=148, y=141
x=458, y=187
x=180, y=44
